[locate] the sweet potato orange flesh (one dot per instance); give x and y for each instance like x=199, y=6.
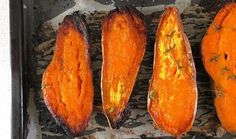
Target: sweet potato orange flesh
x=67, y=82
x=172, y=95
x=123, y=47
x=219, y=58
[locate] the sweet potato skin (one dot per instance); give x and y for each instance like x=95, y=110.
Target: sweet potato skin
x=172, y=95
x=218, y=56
x=123, y=48
x=67, y=83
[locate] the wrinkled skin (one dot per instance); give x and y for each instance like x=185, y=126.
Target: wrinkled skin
x=218, y=56
x=172, y=96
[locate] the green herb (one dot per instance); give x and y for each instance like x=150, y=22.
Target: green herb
x=217, y=29
x=169, y=49
x=152, y=94
x=180, y=68
x=178, y=63
x=232, y=76
x=215, y=58
x=225, y=69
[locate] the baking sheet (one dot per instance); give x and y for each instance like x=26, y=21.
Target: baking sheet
x=138, y=123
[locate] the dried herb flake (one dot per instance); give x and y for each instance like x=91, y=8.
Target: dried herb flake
x=215, y=58
x=225, y=69
x=169, y=49
x=152, y=94
x=232, y=76
x=178, y=64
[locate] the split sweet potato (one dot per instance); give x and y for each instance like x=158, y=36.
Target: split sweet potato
x=172, y=95
x=67, y=83
x=219, y=58
x=123, y=48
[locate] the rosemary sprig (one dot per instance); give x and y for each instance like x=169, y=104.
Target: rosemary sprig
x=215, y=58
x=225, y=69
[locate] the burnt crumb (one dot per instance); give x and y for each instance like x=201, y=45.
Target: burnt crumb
x=143, y=136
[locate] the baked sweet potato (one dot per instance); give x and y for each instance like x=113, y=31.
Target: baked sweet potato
x=67, y=83
x=123, y=48
x=219, y=58
x=172, y=95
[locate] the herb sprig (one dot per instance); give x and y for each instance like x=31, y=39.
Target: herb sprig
x=224, y=68
x=215, y=58
x=177, y=62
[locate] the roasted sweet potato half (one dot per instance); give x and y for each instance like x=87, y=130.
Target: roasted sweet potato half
x=123, y=48
x=172, y=95
x=219, y=58
x=67, y=84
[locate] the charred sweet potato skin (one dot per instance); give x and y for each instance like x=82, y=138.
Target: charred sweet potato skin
x=67, y=83
x=172, y=95
x=123, y=48
x=218, y=56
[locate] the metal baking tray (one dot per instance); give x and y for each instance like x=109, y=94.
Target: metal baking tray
x=33, y=30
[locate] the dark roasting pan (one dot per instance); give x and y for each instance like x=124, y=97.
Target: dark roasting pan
x=34, y=24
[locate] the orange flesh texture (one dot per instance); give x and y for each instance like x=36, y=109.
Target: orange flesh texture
x=123, y=47
x=219, y=59
x=172, y=96
x=67, y=82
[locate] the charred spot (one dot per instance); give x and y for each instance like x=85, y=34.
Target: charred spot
x=225, y=56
